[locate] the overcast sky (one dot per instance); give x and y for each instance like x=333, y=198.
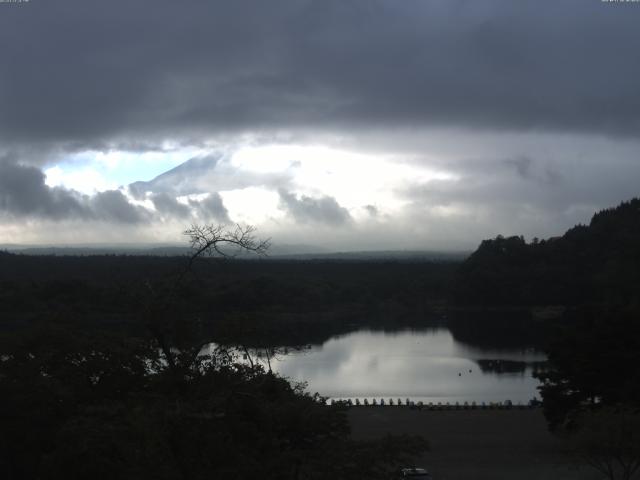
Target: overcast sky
x=346, y=124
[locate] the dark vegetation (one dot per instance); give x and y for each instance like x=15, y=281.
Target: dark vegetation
x=100, y=359
x=105, y=371
x=588, y=265
x=323, y=297
x=593, y=362
x=82, y=404
x=594, y=273
x=591, y=384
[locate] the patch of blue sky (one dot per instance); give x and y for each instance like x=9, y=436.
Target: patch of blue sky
x=92, y=171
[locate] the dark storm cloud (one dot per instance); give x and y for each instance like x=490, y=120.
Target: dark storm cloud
x=88, y=72
x=24, y=193
x=306, y=209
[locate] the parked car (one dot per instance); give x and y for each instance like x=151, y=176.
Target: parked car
x=414, y=473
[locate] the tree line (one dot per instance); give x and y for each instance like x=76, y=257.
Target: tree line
x=591, y=384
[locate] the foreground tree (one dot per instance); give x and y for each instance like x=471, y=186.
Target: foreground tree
x=179, y=337
x=608, y=440
x=80, y=404
x=592, y=363
x=591, y=388
x=79, y=401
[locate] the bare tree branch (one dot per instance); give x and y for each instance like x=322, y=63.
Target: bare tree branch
x=208, y=240
x=205, y=241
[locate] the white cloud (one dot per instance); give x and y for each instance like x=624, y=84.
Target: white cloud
x=353, y=179
x=84, y=179
x=252, y=205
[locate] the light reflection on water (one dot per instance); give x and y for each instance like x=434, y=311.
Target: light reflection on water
x=426, y=365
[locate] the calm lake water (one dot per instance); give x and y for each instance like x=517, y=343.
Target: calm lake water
x=423, y=365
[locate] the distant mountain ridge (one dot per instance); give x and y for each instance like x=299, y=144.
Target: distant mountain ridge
x=276, y=252
x=144, y=249
x=180, y=180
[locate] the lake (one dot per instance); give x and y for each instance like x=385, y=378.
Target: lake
x=426, y=365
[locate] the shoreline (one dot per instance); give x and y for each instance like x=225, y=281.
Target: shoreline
x=378, y=402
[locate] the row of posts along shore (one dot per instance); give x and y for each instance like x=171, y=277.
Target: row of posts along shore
x=506, y=405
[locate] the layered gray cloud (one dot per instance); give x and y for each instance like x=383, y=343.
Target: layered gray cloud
x=305, y=209
x=86, y=72
x=24, y=193
x=112, y=205
x=169, y=205
x=521, y=195
x=212, y=209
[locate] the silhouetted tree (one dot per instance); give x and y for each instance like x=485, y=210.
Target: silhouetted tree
x=79, y=401
x=181, y=338
x=598, y=263
x=592, y=363
x=608, y=440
